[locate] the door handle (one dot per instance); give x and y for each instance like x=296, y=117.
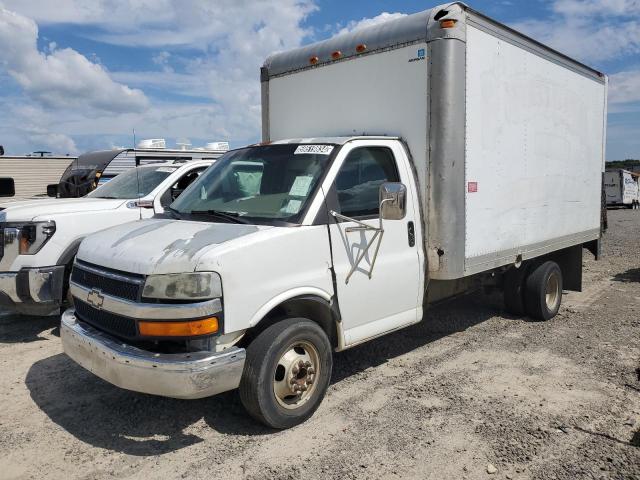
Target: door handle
x=411, y=233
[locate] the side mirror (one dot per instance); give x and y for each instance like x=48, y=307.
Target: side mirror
x=1, y=150
x=7, y=187
x=393, y=201
x=52, y=190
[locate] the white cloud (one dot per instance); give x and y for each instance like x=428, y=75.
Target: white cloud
x=233, y=37
x=354, y=25
x=589, y=30
x=38, y=128
x=62, y=78
x=601, y=8
x=624, y=87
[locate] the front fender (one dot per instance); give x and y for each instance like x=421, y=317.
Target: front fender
x=283, y=297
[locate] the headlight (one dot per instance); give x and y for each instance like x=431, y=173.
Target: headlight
x=183, y=286
x=32, y=236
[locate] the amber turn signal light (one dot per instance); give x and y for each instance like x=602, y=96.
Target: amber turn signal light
x=194, y=328
x=447, y=23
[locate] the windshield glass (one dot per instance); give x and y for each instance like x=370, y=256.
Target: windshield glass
x=134, y=183
x=270, y=182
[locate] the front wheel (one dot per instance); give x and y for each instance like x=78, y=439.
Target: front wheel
x=286, y=373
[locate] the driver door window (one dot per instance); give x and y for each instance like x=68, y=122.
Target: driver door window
x=358, y=182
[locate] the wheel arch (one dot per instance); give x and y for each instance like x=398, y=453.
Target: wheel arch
x=316, y=306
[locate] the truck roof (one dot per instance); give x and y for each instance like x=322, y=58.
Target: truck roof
x=333, y=140
x=405, y=31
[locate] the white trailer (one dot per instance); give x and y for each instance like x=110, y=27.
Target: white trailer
x=27, y=176
x=402, y=164
x=621, y=188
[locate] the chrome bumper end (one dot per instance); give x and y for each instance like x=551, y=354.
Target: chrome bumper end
x=32, y=290
x=186, y=375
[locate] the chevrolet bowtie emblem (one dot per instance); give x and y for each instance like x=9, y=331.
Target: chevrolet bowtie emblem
x=95, y=298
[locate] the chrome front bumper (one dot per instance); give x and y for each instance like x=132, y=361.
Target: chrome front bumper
x=32, y=290
x=185, y=375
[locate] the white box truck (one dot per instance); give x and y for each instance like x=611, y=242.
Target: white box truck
x=621, y=188
x=402, y=164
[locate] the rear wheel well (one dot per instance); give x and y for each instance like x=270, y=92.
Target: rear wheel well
x=311, y=307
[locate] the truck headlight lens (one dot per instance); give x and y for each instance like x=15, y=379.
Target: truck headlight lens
x=33, y=235
x=183, y=286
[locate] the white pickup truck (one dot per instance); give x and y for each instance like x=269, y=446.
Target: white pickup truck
x=39, y=238
x=477, y=159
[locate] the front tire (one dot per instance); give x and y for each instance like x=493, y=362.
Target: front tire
x=286, y=373
x=543, y=291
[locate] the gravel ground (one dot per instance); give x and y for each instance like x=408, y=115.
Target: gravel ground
x=467, y=392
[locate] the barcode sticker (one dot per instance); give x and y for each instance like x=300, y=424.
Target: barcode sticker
x=314, y=149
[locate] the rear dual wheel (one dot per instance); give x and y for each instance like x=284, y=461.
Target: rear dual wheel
x=535, y=291
x=286, y=373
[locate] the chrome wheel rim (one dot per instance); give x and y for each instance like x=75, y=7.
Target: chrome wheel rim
x=552, y=295
x=294, y=379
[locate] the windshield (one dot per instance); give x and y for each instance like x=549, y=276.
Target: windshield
x=134, y=183
x=271, y=182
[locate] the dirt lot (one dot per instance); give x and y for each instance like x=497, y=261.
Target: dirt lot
x=469, y=387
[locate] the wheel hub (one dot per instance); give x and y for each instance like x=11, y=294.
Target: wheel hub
x=295, y=375
x=552, y=291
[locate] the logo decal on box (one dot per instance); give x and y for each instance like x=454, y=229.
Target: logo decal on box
x=472, y=187
x=421, y=54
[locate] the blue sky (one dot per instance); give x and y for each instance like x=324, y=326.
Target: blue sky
x=79, y=75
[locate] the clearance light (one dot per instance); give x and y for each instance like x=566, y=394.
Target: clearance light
x=313, y=60
x=336, y=55
x=179, y=329
x=361, y=48
x=447, y=23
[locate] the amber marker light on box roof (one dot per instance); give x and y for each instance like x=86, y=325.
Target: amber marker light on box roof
x=447, y=23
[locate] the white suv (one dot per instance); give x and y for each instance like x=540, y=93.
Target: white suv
x=39, y=238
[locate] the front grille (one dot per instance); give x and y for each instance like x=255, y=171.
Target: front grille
x=114, y=284
x=116, y=325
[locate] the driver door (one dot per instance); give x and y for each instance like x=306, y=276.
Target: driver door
x=381, y=292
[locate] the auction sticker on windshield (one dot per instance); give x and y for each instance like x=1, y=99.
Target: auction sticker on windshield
x=301, y=185
x=314, y=149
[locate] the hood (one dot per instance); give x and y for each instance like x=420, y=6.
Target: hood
x=159, y=245
x=30, y=209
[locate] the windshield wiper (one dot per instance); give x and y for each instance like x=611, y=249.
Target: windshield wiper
x=233, y=217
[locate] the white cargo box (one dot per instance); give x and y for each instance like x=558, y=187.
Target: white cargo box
x=507, y=135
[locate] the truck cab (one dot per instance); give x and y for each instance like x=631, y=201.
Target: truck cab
x=39, y=238
x=293, y=228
